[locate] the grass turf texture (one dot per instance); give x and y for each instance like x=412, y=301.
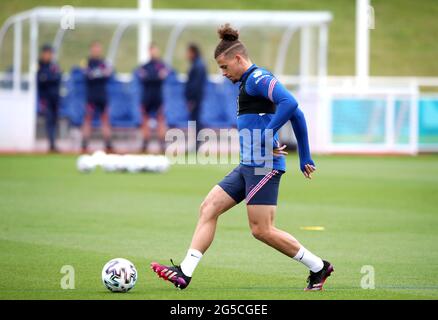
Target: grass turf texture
x=376, y=211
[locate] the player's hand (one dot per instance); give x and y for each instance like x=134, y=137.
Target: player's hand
x=308, y=170
x=280, y=151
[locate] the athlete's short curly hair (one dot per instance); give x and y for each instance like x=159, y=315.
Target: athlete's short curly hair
x=229, y=43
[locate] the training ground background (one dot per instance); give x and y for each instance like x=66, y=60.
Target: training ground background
x=377, y=211
x=403, y=42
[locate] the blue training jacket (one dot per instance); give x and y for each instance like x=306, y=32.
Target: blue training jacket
x=264, y=106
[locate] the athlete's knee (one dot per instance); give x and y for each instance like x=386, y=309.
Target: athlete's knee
x=209, y=209
x=261, y=233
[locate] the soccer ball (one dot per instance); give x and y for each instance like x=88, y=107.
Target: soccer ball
x=119, y=275
x=163, y=164
x=99, y=157
x=132, y=163
x=85, y=163
x=111, y=163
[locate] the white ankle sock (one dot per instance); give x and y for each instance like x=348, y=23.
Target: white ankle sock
x=311, y=261
x=190, y=262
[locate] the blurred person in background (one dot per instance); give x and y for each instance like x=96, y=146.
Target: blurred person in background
x=194, y=89
x=97, y=74
x=48, y=83
x=152, y=75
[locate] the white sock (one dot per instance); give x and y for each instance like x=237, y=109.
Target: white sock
x=311, y=261
x=190, y=262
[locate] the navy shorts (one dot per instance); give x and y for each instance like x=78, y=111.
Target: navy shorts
x=96, y=107
x=244, y=183
x=152, y=108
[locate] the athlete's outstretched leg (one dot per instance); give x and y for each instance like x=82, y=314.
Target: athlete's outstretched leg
x=215, y=203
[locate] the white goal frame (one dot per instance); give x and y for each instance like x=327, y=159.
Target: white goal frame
x=291, y=21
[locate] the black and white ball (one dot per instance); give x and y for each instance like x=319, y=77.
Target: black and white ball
x=119, y=275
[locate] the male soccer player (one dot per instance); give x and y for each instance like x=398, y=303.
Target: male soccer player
x=49, y=79
x=264, y=105
x=97, y=74
x=152, y=75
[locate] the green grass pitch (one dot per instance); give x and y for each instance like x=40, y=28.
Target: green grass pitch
x=378, y=211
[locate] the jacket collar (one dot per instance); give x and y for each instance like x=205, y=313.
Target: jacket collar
x=248, y=72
